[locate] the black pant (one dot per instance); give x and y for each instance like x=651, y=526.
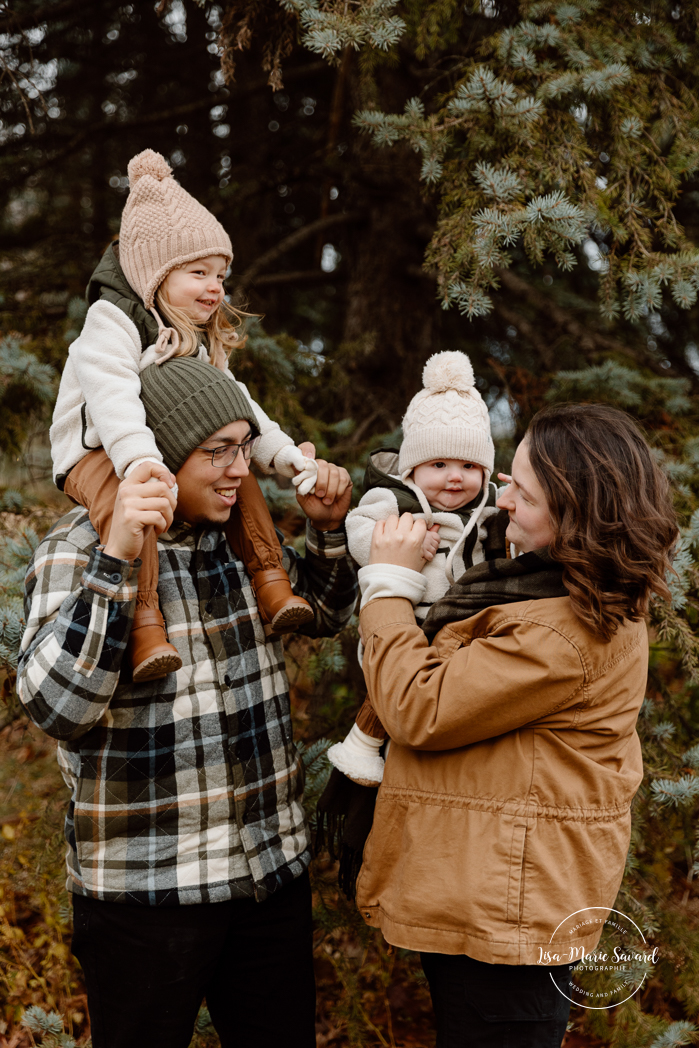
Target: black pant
x=480, y=1005
x=147, y=970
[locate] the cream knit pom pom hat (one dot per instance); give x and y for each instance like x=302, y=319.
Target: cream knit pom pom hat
x=447, y=419
x=162, y=227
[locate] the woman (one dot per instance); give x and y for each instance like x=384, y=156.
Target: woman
x=505, y=805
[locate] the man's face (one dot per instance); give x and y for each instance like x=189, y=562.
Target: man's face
x=207, y=493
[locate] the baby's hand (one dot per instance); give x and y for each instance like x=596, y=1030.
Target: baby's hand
x=430, y=543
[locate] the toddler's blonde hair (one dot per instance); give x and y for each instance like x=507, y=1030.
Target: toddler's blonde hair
x=220, y=329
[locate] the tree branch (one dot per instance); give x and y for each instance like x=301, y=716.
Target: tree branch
x=299, y=276
x=544, y=347
x=13, y=23
x=589, y=340
x=115, y=126
x=293, y=240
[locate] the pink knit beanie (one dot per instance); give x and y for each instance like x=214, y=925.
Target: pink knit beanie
x=162, y=227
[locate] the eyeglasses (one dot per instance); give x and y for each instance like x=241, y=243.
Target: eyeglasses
x=226, y=455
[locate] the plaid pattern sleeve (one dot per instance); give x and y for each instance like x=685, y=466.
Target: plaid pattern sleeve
x=187, y=789
x=326, y=577
x=78, y=607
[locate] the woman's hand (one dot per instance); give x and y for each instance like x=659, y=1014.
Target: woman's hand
x=399, y=541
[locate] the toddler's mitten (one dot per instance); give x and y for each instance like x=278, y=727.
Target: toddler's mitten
x=290, y=459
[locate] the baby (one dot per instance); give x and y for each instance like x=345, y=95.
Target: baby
x=441, y=475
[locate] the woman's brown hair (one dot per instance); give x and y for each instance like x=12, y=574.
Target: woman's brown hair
x=611, y=511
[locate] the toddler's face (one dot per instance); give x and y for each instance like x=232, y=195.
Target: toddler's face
x=197, y=287
x=449, y=483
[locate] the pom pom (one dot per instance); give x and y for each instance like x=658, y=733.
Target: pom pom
x=448, y=370
x=148, y=163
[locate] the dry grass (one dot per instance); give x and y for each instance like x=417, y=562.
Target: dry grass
x=367, y=995
x=36, y=966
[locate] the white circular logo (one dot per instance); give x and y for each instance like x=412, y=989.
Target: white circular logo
x=611, y=973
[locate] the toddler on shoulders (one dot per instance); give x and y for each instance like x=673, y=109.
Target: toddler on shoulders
x=170, y=261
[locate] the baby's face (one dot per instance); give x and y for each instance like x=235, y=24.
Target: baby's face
x=448, y=483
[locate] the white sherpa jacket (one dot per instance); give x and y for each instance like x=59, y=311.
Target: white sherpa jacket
x=99, y=401
x=448, y=564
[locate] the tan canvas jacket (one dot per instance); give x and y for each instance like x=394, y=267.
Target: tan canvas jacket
x=505, y=804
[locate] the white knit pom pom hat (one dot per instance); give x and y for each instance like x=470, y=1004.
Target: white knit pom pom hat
x=163, y=227
x=447, y=419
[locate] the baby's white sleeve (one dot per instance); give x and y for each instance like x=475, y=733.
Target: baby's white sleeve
x=391, y=580
x=377, y=504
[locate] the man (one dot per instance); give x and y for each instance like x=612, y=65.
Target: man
x=187, y=842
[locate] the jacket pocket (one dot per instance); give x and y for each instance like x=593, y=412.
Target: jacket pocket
x=515, y=881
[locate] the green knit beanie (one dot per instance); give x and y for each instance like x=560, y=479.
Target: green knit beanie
x=186, y=401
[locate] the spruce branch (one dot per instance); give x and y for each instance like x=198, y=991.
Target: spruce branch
x=330, y=29
x=680, y=792
x=539, y=102
x=677, y=1034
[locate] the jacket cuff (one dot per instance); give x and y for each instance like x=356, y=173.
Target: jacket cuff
x=114, y=579
x=393, y=611
x=391, y=580
x=328, y=544
x=271, y=443
x=288, y=460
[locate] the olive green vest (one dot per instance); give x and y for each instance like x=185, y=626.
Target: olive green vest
x=108, y=283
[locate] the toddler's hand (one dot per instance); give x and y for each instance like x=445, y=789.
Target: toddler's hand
x=430, y=543
x=303, y=461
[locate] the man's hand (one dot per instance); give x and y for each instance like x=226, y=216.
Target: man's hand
x=145, y=499
x=328, y=506
x=399, y=541
x=430, y=543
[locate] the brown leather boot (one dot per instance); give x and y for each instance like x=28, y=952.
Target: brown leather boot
x=281, y=610
x=151, y=654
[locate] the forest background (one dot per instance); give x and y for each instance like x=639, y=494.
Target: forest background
x=517, y=180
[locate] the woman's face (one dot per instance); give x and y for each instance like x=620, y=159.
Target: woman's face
x=530, y=524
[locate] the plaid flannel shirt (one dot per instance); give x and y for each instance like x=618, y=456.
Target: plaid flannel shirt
x=186, y=789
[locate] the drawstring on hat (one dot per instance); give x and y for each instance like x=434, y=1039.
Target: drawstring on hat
x=168, y=341
x=473, y=520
